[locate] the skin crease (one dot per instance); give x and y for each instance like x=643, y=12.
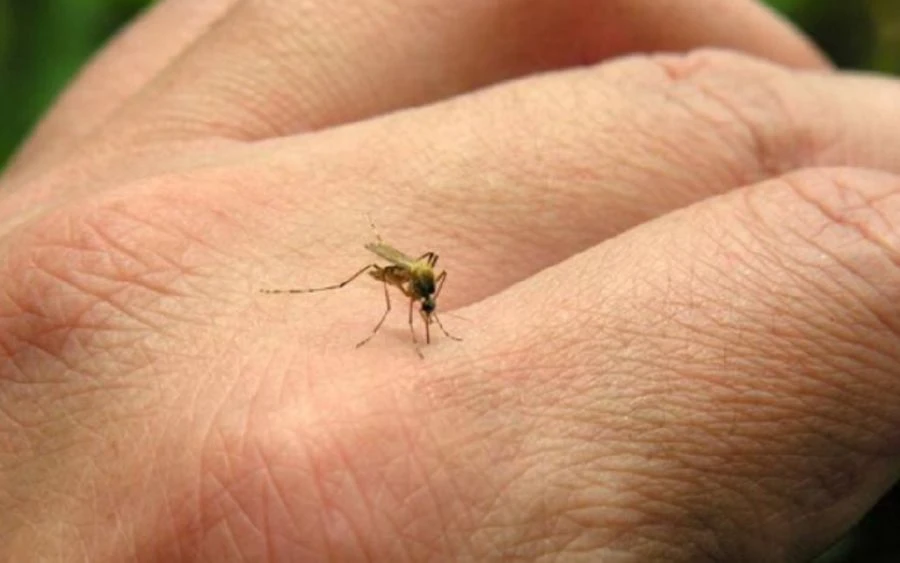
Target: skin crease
x=675, y=276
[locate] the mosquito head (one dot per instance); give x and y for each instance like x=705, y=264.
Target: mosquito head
x=428, y=305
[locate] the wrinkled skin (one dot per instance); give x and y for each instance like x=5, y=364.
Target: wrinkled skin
x=676, y=277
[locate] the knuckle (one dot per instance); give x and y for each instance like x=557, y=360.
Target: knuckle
x=838, y=230
x=758, y=107
x=854, y=215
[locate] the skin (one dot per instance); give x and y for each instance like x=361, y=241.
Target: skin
x=675, y=276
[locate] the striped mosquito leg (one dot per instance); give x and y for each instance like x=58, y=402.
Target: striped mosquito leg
x=326, y=288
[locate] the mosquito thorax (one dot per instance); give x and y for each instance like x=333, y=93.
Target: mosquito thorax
x=424, y=286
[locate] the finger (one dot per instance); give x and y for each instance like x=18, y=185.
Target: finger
x=544, y=168
x=736, y=362
x=275, y=68
x=122, y=68
x=607, y=147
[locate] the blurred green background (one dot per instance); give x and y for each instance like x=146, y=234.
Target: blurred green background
x=43, y=43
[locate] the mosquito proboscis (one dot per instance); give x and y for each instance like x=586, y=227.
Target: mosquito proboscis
x=414, y=277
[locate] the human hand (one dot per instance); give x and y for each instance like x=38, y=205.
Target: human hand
x=682, y=337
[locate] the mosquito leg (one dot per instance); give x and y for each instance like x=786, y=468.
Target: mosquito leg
x=314, y=289
x=440, y=283
x=412, y=329
x=444, y=330
x=387, y=302
x=430, y=257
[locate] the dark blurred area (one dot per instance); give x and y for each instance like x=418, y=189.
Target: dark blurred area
x=44, y=42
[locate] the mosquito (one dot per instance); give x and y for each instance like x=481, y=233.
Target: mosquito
x=414, y=277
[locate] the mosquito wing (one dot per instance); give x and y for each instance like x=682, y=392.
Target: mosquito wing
x=390, y=254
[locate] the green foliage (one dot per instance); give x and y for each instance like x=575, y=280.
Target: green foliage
x=42, y=45
x=886, y=14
